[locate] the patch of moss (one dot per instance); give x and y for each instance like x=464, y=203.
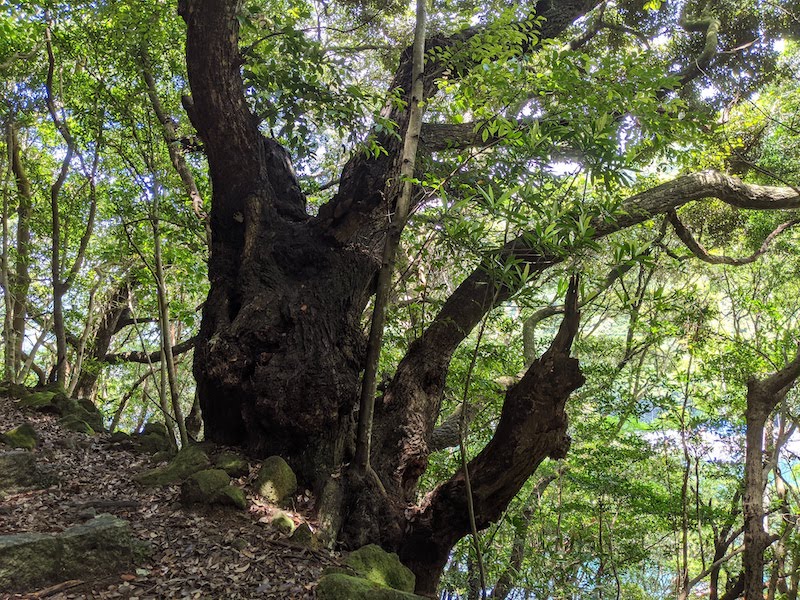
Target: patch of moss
x=24, y=437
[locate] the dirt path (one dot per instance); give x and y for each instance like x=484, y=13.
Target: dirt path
x=208, y=553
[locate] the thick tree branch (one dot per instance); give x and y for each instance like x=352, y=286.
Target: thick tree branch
x=242, y=163
x=532, y=427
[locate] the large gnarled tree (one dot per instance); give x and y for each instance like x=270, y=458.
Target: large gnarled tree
x=281, y=348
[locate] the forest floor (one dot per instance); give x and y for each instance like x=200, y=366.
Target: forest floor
x=197, y=553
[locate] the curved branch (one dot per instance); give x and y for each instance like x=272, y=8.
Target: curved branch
x=532, y=427
x=138, y=356
x=700, y=252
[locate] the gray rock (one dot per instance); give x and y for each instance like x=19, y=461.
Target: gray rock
x=99, y=547
x=19, y=472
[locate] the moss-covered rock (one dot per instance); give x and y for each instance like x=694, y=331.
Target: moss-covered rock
x=161, y=456
x=233, y=464
x=203, y=485
x=75, y=423
x=156, y=427
x=276, y=481
x=338, y=586
x=70, y=407
x=375, y=564
x=96, y=548
x=19, y=472
x=12, y=390
x=303, y=536
x=188, y=461
x=24, y=437
x=212, y=486
x=119, y=437
x=152, y=443
x=42, y=400
x=232, y=496
x=282, y=522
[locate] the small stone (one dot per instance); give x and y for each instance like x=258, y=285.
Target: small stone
x=303, y=536
x=282, y=522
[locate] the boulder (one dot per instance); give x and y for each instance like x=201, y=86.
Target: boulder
x=23, y=436
x=233, y=464
x=19, y=472
x=276, y=481
x=75, y=423
x=43, y=400
x=152, y=443
x=338, y=586
x=54, y=400
x=384, y=568
x=212, y=486
x=94, y=549
x=188, y=461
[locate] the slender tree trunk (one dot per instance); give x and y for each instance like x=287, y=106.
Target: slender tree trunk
x=395, y=229
x=9, y=346
x=21, y=279
x=762, y=397
x=168, y=360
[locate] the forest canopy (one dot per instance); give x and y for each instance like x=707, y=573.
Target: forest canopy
x=511, y=286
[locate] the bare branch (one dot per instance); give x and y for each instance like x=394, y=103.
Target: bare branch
x=700, y=252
